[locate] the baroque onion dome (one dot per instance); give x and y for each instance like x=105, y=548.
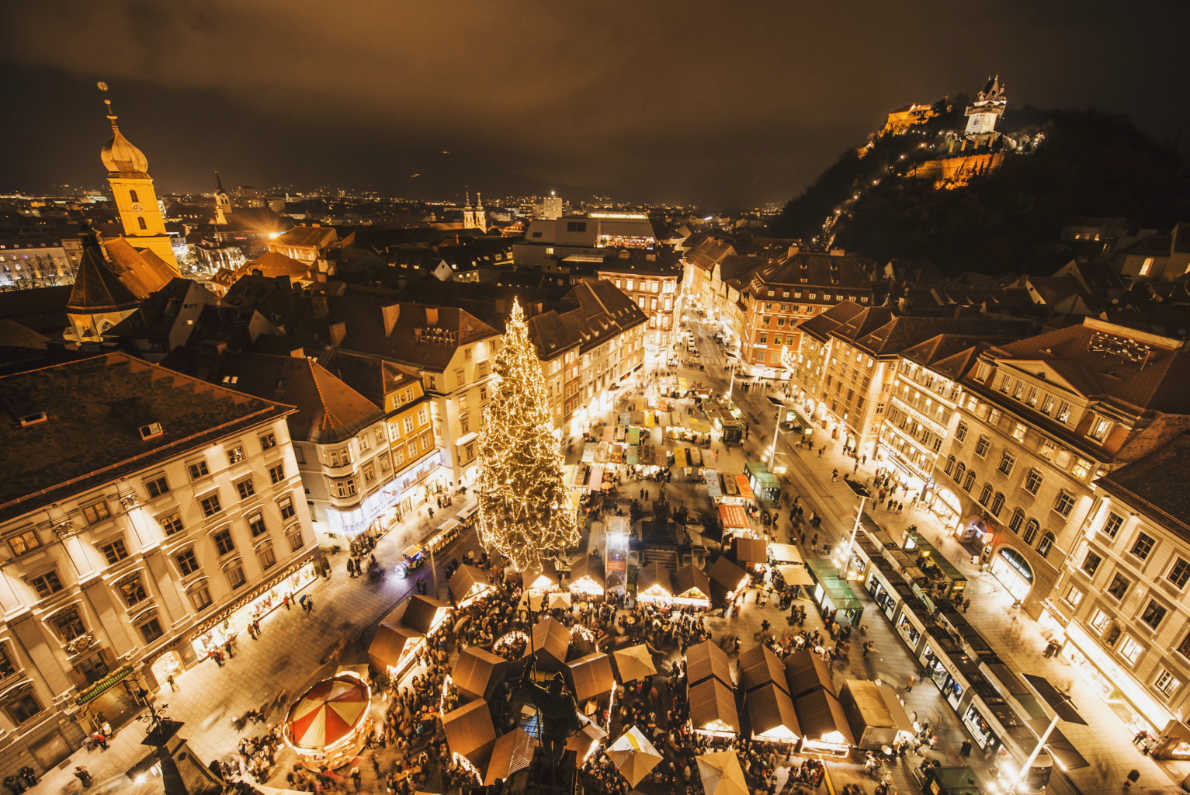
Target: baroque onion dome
x=119, y=155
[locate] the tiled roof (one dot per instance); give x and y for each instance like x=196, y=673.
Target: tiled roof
x=328, y=409
x=370, y=376
x=306, y=236
x=600, y=312
x=271, y=265
x=822, y=324
x=140, y=270
x=1156, y=483
x=1108, y=362
x=96, y=286
x=709, y=251
x=94, y=409
x=817, y=269
x=420, y=335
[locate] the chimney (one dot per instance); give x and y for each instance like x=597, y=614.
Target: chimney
x=338, y=332
x=431, y=315
x=390, y=314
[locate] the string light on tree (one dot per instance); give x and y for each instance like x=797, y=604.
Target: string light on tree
x=524, y=508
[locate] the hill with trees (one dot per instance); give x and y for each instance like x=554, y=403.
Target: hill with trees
x=1007, y=221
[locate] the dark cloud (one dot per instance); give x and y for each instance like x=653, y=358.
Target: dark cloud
x=706, y=101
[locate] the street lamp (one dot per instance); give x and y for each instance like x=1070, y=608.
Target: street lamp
x=861, y=491
x=776, y=427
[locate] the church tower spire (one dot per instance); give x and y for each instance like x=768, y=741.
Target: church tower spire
x=132, y=188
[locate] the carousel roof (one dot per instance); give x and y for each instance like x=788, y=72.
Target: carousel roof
x=328, y=712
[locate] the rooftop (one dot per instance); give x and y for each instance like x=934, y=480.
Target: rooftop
x=1156, y=483
x=94, y=410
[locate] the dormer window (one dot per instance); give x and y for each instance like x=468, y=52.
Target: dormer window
x=150, y=431
x=1100, y=428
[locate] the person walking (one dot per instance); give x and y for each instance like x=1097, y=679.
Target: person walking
x=309, y=604
x=173, y=687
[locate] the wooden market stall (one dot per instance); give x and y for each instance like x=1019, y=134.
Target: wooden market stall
x=771, y=717
x=876, y=715
x=712, y=709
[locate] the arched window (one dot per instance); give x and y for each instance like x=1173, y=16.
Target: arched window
x=1047, y=543
x=970, y=481
x=950, y=465
x=140, y=221
x=1018, y=518
x=985, y=495
x=997, y=504
x=1031, y=528
x=959, y=470
x=133, y=197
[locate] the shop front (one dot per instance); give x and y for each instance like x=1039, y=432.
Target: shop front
x=979, y=728
x=944, y=677
x=1013, y=572
x=946, y=506
x=113, y=699
x=257, y=603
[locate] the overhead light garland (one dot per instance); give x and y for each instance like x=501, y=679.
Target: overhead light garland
x=524, y=507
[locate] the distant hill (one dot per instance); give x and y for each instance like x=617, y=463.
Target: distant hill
x=1008, y=221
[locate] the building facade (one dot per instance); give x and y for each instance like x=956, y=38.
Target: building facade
x=653, y=281
x=155, y=515
x=34, y=263
x=1039, y=420
x=1124, y=593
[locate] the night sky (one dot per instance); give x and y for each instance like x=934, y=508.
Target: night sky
x=723, y=104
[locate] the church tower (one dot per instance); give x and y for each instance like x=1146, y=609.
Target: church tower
x=222, y=202
x=132, y=188
x=986, y=110
x=475, y=217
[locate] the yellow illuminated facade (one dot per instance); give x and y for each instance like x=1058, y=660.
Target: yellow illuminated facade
x=132, y=189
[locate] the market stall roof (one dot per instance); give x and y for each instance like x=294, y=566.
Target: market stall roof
x=559, y=600
x=634, y=662
x=714, y=490
x=751, y=551
x=795, y=575
x=389, y=643
x=710, y=702
x=633, y=755
x=540, y=578
x=550, y=638
x=760, y=666
x=769, y=709
x=706, y=659
x=877, y=706
x=469, y=729
x=784, y=553
x=690, y=579
x=654, y=577
x=328, y=712
x=744, y=487
x=589, y=567
x=822, y=718
x=804, y=671
x=512, y=752
x=476, y=670
x=589, y=732
x=726, y=575
x=733, y=517
x=595, y=481
x=592, y=676
x=721, y=773
x=468, y=581
x=424, y=614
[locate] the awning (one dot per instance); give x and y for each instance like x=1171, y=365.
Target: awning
x=680, y=457
x=633, y=755
x=711, y=476
x=633, y=663
x=595, y=481
x=784, y=553
x=733, y=516
x=721, y=773
x=745, y=489
x=795, y=575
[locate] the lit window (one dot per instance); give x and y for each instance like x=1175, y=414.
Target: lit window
x=1074, y=596
x=1018, y=432
x=1098, y=621
x=1166, y=683
x=1130, y=649
x=1081, y=468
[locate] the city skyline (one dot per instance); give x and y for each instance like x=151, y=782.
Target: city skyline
x=630, y=109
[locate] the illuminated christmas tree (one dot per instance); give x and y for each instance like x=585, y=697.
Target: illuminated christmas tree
x=524, y=509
